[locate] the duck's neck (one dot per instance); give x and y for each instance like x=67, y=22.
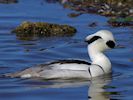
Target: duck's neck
x=97, y=57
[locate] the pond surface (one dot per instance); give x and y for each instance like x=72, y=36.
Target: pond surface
x=18, y=54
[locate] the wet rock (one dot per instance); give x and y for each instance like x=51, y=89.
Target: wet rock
x=72, y=15
x=121, y=21
x=8, y=1
x=30, y=30
x=93, y=24
x=106, y=10
x=81, y=6
x=103, y=7
x=120, y=9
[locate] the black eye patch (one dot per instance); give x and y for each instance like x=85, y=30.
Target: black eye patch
x=110, y=44
x=93, y=39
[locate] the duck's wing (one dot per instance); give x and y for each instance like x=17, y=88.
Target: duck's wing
x=72, y=65
x=70, y=62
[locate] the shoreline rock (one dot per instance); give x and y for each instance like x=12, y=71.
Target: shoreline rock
x=120, y=9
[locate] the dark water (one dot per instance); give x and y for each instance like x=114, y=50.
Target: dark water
x=17, y=54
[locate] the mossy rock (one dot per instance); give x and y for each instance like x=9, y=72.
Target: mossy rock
x=119, y=21
x=30, y=30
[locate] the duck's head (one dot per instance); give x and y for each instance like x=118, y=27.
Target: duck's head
x=102, y=40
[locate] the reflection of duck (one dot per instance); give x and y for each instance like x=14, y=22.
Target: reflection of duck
x=96, y=88
x=98, y=42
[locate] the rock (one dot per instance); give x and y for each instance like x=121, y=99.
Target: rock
x=93, y=24
x=72, y=15
x=30, y=30
x=121, y=21
x=102, y=7
x=106, y=10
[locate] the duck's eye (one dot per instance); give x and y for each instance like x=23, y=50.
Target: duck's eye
x=94, y=38
x=110, y=44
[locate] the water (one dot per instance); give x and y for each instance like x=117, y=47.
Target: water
x=17, y=54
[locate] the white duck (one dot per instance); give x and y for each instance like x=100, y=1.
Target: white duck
x=97, y=44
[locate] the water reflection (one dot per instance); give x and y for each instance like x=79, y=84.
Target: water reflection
x=51, y=1
x=55, y=83
x=8, y=1
x=97, y=87
x=97, y=90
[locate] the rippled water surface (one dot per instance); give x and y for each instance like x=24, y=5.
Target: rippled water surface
x=18, y=54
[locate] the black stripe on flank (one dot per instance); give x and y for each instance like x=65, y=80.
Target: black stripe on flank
x=93, y=39
x=70, y=62
x=89, y=70
x=100, y=67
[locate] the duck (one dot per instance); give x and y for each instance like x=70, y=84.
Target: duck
x=100, y=64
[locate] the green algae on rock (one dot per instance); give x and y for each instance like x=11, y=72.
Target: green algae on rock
x=30, y=30
x=121, y=21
